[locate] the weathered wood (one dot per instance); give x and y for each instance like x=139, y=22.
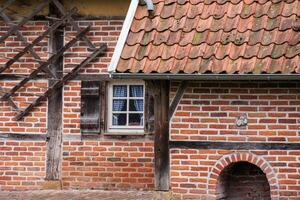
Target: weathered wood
x=73, y=23
x=52, y=59
x=80, y=77
x=54, y=117
x=8, y=21
x=24, y=20
x=54, y=144
x=233, y=145
x=161, y=141
x=29, y=47
x=60, y=83
x=23, y=136
x=149, y=108
x=10, y=101
x=177, y=98
x=90, y=107
x=6, y=5
x=103, y=106
x=92, y=77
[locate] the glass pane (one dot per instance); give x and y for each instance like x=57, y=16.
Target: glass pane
x=136, y=91
x=119, y=105
x=136, y=105
x=136, y=120
x=119, y=119
x=120, y=90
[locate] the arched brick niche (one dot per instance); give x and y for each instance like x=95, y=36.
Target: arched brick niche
x=236, y=164
x=242, y=180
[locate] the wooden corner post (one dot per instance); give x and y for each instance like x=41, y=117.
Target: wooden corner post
x=161, y=141
x=54, y=134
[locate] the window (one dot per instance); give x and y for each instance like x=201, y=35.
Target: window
x=126, y=107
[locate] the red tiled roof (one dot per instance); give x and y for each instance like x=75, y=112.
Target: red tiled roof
x=214, y=36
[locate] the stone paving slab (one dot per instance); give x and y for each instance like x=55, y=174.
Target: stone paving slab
x=76, y=195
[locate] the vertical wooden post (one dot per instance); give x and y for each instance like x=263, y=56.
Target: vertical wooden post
x=54, y=134
x=161, y=129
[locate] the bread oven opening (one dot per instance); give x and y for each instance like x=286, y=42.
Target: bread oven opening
x=243, y=180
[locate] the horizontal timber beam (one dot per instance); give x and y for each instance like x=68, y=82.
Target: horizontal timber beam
x=73, y=137
x=234, y=145
x=23, y=136
x=79, y=77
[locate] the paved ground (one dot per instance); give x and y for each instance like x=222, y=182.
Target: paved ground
x=76, y=195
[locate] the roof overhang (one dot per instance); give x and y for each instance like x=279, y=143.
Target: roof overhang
x=204, y=77
x=123, y=36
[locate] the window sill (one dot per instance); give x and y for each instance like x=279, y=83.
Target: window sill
x=131, y=133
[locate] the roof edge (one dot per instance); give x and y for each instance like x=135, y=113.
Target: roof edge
x=123, y=36
x=216, y=77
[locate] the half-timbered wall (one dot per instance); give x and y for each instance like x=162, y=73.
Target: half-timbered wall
x=103, y=162
x=205, y=137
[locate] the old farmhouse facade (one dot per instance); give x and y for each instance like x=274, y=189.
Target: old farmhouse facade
x=194, y=99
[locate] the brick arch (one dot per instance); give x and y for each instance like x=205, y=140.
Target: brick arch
x=226, y=160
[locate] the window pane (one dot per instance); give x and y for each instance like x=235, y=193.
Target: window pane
x=119, y=119
x=136, y=120
x=119, y=105
x=136, y=105
x=136, y=91
x=120, y=91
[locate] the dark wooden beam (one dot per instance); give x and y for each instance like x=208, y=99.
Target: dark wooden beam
x=59, y=84
x=23, y=136
x=79, y=17
x=79, y=77
x=92, y=77
x=161, y=130
x=29, y=46
x=51, y=60
x=55, y=105
x=62, y=10
x=40, y=7
x=234, y=145
x=183, y=85
x=6, y=5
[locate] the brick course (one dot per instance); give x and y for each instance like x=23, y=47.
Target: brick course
x=194, y=172
x=22, y=165
x=108, y=165
x=209, y=111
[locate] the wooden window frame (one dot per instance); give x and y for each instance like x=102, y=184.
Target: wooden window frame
x=124, y=130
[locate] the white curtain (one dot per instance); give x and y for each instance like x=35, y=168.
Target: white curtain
x=119, y=104
x=137, y=91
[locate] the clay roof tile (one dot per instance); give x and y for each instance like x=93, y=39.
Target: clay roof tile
x=214, y=36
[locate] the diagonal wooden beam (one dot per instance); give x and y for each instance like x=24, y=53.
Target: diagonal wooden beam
x=45, y=64
x=73, y=23
x=178, y=96
x=60, y=83
x=10, y=101
x=24, y=20
x=8, y=21
x=36, y=41
x=6, y=5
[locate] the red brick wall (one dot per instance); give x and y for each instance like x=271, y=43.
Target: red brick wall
x=194, y=172
x=31, y=30
x=36, y=120
x=209, y=110
x=102, y=31
x=108, y=165
x=71, y=107
x=22, y=165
